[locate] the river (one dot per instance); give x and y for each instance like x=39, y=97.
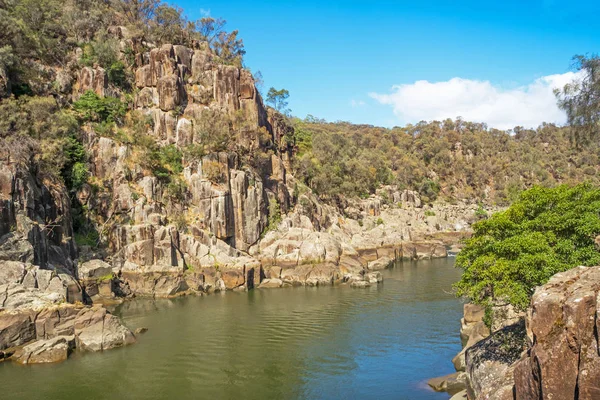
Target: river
x=382, y=342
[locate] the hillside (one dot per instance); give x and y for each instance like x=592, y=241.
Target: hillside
x=446, y=161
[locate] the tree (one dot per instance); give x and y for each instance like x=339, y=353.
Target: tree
x=545, y=232
x=229, y=47
x=209, y=28
x=277, y=98
x=581, y=99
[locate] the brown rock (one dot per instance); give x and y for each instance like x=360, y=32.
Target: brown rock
x=169, y=92
x=563, y=361
x=46, y=351
x=233, y=278
x=473, y=312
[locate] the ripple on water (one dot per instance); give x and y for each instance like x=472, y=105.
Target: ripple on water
x=381, y=342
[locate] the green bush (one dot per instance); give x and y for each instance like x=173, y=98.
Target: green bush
x=274, y=215
x=177, y=189
x=429, y=213
x=117, y=74
x=92, y=108
x=90, y=238
x=79, y=175
x=480, y=212
x=544, y=232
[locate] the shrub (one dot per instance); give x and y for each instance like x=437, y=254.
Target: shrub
x=117, y=74
x=545, y=232
x=274, y=215
x=92, y=108
x=429, y=213
x=90, y=238
x=379, y=221
x=212, y=170
x=79, y=175
x=480, y=212
x=177, y=189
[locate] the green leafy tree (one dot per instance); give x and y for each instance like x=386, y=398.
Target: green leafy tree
x=91, y=107
x=278, y=99
x=545, y=232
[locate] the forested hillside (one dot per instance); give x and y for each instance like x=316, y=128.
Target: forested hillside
x=446, y=160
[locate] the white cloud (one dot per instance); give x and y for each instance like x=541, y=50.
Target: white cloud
x=357, y=103
x=478, y=101
x=204, y=12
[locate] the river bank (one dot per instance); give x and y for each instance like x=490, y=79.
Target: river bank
x=42, y=318
x=301, y=342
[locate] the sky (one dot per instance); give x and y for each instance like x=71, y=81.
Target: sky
x=390, y=63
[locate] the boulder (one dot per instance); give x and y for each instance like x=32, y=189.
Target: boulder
x=452, y=383
x=359, y=284
x=490, y=363
x=16, y=328
x=373, y=277
x=271, y=283
x=462, y=395
x=94, y=269
x=379, y=264
x=52, y=350
x=96, y=330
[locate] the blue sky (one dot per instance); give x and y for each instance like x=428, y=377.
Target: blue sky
x=340, y=60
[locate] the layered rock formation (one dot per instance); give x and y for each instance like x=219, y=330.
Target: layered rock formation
x=214, y=237
x=37, y=325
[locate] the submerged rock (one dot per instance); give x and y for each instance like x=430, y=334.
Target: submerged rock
x=452, y=383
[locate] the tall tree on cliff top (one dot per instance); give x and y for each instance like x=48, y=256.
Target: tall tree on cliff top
x=278, y=99
x=580, y=99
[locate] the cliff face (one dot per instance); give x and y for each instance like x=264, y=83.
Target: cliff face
x=35, y=213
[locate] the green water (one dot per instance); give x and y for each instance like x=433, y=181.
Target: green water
x=298, y=343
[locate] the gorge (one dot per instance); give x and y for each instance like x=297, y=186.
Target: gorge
x=147, y=184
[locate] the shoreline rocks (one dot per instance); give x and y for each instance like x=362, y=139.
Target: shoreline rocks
x=551, y=353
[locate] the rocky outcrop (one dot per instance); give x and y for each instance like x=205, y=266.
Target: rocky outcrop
x=38, y=325
x=52, y=350
x=472, y=331
x=563, y=361
x=491, y=363
x=553, y=354
x=35, y=214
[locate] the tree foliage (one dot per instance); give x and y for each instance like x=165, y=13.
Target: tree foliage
x=93, y=108
x=580, y=99
x=544, y=232
x=452, y=159
x=278, y=100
